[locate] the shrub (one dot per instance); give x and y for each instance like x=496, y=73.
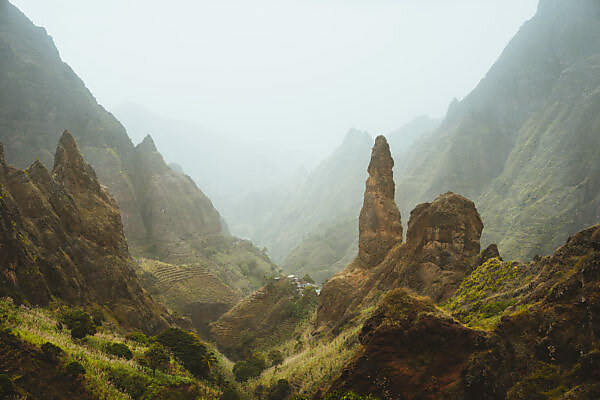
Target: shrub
x=51, y=351
x=195, y=355
x=138, y=337
x=130, y=382
x=157, y=357
x=275, y=357
x=119, y=350
x=79, y=322
x=75, y=369
x=98, y=317
x=252, y=367
x=280, y=391
x=6, y=386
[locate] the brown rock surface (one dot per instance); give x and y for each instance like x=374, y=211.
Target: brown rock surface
x=410, y=351
x=380, y=226
x=442, y=244
x=61, y=237
x=545, y=346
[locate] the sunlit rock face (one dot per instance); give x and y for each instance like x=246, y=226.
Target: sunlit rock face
x=380, y=226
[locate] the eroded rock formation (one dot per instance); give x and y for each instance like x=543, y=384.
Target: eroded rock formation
x=380, y=226
x=442, y=245
x=61, y=237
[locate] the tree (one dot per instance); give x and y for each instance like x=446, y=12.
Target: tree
x=157, y=357
x=119, y=350
x=307, y=278
x=79, y=323
x=252, y=367
x=276, y=357
x=194, y=354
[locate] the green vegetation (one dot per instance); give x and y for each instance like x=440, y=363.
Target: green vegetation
x=104, y=375
x=484, y=295
x=251, y=367
x=189, y=349
x=119, y=350
x=79, y=323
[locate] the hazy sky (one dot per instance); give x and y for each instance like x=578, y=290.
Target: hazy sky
x=296, y=73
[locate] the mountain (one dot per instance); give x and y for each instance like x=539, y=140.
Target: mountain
x=318, y=235
x=442, y=244
x=523, y=143
x=225, y=169
x=165, y=216
x=61, y=238
x=403, y=138
x=292, y=218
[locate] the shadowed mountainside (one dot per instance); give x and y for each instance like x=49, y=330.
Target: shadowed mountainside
x=61, y=238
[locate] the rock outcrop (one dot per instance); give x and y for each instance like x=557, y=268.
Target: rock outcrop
x=442, y=245
x=380, y=227
x=442, y=242
x=61, y=237
x=410, y=351
x=542, y=346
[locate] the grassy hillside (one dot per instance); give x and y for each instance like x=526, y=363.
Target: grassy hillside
x=106, y=376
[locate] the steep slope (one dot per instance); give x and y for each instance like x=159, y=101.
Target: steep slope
x=189, y=290
x=523, y=142
x=226, y=170
x=165, y=215
x=543, y=346
x=266, y=318
x=61, y=238
x=403, y=138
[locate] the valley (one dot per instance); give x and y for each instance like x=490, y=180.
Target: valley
x=453, y=258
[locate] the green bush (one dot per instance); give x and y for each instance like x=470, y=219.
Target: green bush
x=138, y=337
x=280, y=391
x=98, y=317
x=51, y=351
x=194, y=354
x=276, y=357
x=79, y=323
x=132, y=383
x=75, y=369
x=252, y=367
x=119, y=350
x=6, y=386
x=157, y=357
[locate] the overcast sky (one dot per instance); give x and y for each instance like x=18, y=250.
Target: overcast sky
x=296, y=73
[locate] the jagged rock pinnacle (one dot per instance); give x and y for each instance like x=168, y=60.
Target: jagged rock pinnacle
x=70, y=168
x=380, y=225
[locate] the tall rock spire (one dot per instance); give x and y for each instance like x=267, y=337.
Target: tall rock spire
x=379, y=225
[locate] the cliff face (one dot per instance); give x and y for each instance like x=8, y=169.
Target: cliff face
x=62, y=237
x=165, y=215
x=543, y=343
x=522, y=144
x=42, y=96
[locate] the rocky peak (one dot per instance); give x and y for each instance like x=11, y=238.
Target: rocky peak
x=147, y=145
x=380, y=226
x=445, y=232
x=355, y=137
x=70, y=168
